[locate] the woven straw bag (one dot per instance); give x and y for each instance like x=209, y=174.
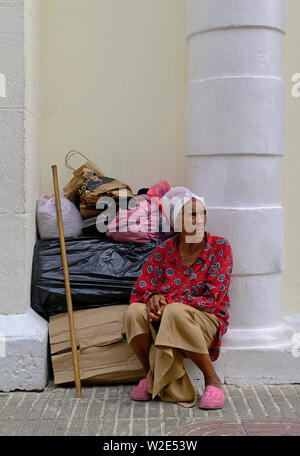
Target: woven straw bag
x=90, y=184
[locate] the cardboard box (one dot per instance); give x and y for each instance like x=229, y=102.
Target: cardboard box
x=103, y=353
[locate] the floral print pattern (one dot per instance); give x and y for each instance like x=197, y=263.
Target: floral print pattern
x=204, y=285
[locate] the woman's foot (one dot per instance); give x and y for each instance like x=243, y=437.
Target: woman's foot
x=212, y=398
x=140, y=392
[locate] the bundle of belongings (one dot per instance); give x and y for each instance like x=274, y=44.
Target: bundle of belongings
x=103, y=267
x=89, y=184
x=144, y=222
x=109, y=206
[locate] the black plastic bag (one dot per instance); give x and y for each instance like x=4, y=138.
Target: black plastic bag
x=102, y=273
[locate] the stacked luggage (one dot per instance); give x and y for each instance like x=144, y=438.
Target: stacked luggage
x=103, y=268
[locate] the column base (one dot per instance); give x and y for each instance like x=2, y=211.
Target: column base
x=23, y=352
x=271, y=357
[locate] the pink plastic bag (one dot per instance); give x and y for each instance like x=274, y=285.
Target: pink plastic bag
x=141, y=223
x=159, y=190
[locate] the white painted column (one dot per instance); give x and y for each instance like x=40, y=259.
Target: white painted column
x=234, y=146
x=23, y=333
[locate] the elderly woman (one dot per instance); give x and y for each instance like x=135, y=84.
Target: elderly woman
x=179, y=306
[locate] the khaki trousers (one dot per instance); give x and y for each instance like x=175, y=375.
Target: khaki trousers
x=181, y=327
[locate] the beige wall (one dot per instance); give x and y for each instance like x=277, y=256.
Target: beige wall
x=113, y=86
x=114, y=75
x=291, y=163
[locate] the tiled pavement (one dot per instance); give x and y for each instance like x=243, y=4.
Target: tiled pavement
x=108, y=410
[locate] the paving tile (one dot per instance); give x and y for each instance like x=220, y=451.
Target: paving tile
x=155, y=426
x=28, y=427
x=292, y=396
x=12, y=427
x=88, y=391
x=272, y=427
x=185, y=420
x=94, y=409
x=183, y=411
x=75, y=427
x=123, y=427
x=296, y=387
x=285, y=410
x=211, y=428
x=154, y=407
x=139, y=409
x=100, y=391
x=71, y=393
x=51, y=409
x=81, y=409
x=113, y=391
x=264, y=398
x=4, y=400
x=21, y=412
x=58, y=392
x=110, y=409
x=125, y=408
x=59, y=428
x=3, y=425
x=90, y=428
x=65, y=409
x=7, y=410
x=214, y=415
x=38, y=408
x=171, y=424
x=46, y=394
x=254, y=404
x=241, y=408
x=200, y=415
x=106, y=427
x=44, y=427
x=229, y=410
x=169, y=409
x=127, y=387
x=139, y=427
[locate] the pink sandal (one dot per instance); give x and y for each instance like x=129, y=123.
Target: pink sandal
x=140, y=392
x=213, y=398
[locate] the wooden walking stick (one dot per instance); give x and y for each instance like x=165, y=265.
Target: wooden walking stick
x=67, y=283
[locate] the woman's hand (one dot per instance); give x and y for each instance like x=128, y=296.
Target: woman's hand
x=156, y=305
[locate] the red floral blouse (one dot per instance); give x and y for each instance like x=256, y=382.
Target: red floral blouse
x=203, y=286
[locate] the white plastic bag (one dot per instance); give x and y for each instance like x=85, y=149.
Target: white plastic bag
x=47, y=218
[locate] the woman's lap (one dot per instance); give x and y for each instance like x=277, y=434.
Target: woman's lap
x=181, y=326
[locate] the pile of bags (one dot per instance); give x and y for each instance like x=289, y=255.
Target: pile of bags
x=120, y=215
x=107, y=246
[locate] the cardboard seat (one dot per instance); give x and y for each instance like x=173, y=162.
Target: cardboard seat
x=103, y=352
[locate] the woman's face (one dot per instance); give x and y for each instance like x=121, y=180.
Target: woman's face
x=193, y=220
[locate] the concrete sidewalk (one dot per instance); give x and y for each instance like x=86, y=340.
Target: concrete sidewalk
x=108, y=410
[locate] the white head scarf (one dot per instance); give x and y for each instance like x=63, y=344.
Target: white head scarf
x=174, y=200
